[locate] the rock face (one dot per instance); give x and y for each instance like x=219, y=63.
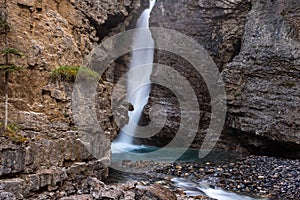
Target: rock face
x=218, y=26
x=47, y=165
x=53, y=163
x=263, y=80
x=256, y=46
x=52, y=34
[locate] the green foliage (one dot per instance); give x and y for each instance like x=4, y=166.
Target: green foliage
x=288, y=84
x=4, y=25
x=69, y=73
x=89, y=74
x=13, y=51
x=13, y=127
x=10, y=67
x=65, y=73
x=12, y=132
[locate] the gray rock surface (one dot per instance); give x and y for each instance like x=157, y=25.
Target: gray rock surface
x=218, y=26
x=255, y=44
x=262, y=82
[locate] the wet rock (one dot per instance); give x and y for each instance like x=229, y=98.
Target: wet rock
x=262, y=82
x=254, y=175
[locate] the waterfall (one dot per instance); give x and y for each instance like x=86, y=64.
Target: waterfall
x=138, y=79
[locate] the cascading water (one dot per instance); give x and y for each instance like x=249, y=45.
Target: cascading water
x=202, y=188
x=138, y=89
x=138, y=80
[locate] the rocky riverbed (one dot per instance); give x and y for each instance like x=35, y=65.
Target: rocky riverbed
x=256, y=176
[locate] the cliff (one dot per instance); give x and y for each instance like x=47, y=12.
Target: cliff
x=52, y=34
x=255, y=45
x=216, y=25
x=262, y=81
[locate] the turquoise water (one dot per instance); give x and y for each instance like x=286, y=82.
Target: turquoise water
x=136, y=153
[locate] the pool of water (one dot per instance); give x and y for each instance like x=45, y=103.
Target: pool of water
x=138, y=153
x=124, y=153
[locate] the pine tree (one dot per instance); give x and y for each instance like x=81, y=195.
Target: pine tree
x=7, y=67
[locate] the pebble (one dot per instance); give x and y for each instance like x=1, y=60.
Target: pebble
x=274, y=178
x=178, y=167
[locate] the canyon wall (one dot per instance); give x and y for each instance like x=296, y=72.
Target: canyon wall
x=53, y=162
x=216, y=25
x=255, y=45
x=263, y=80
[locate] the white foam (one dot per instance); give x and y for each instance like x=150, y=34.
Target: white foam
x=195, y=189
x=121, y=147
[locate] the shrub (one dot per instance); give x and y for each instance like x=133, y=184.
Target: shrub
x=12, y=132
x=69, y=73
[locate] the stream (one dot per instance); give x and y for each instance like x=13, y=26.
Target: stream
x=150, y=170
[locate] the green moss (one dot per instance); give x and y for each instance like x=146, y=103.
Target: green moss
x=65, y=73
x=69, y=73
x=89, y=74
x=15, y=137
x=288, y=84
x=12, y=132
